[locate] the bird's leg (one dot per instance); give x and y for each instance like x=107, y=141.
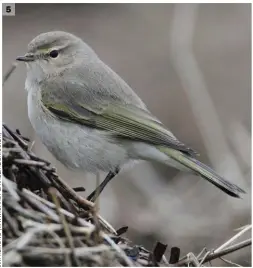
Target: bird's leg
x=92, y=197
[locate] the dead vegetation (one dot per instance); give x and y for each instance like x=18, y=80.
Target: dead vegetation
x=47, y=223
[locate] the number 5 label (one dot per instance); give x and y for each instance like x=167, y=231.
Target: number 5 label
x=8, y=9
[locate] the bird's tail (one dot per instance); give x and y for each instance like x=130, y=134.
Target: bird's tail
x=204, y=171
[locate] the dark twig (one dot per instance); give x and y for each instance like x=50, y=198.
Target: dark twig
x=174, y=255
x=122, y=230
x=79, y=189
x=9, y=72
x=158, y=252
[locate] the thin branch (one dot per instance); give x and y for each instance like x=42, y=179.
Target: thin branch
x=214, y=255
x=231, y=240
x=229, y=250
x=9, y=72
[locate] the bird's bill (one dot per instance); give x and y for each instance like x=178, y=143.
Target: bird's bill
x=26, y=58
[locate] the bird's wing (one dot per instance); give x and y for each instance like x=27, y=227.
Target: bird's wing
x=70, y=101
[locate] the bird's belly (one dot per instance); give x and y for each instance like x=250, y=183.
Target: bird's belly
x=77, y=147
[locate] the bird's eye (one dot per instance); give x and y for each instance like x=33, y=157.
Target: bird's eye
x=53, y=53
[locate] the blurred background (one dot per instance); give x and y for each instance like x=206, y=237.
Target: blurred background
x=191, y=65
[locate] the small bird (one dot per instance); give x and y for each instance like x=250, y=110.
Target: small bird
x=90, y=119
